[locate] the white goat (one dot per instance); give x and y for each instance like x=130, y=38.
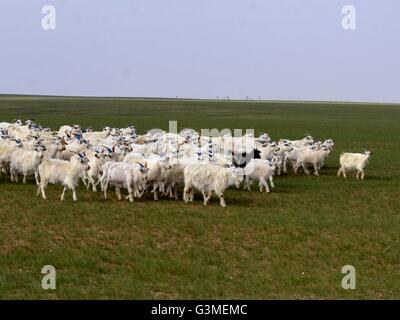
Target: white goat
x=64, y=172
x=93, y=175
x=354, y=162
x=307, y=140
x=312, y=157
x=259, y=170
x=210, y=178
x=124, y=175
x=26, y=162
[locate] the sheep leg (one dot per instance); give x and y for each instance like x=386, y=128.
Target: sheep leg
x=305, y=168
x=296, y=167
x=102, y=183
x=118, y=191
x=362, y=174
x=222, y=200
x=205, y=198
x=285, y=165
x=271, y=180
x=63, y=193
x=176, y=197
x=264, y=183
x=130, y=193
x=96, y=183
x=94, y=186
x=155, y=194
x=340, y=171
x=141, y=191
x=84, y=181
x=42, y=186
x=37, y=178
x=74, y=197
x=209, y=195
x=315, y=169
x=105, y=187
x=186, y=191
x=247, y=184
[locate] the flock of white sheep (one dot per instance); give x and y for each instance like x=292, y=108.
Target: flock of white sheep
x=157, y=162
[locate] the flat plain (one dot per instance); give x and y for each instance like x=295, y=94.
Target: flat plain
x=289, y=244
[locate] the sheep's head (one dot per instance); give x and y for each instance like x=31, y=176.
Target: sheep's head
x=60, y=144
x=309, y=139
x=144, y=170
x=18, y=143
x=329, y=143
x=368, y=153
x=238, y=176
x=82, y=160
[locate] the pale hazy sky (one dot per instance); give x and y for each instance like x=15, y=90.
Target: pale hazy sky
x=276, y=49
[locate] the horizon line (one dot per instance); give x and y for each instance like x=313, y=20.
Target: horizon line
x=177, y=98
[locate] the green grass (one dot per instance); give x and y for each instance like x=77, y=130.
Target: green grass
x=291, y=243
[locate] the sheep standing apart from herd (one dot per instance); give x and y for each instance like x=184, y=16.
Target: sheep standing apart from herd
x=354, y=162
x=158, y=162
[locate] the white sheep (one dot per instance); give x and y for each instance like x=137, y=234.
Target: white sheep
x=259, y=170
x=210, y=178
x=64, y=172
x=7, y=147
x=93, y=175
x=26, y=162
x=312, y=157
x=157, y=165
x=124, y=175
x=354, y=162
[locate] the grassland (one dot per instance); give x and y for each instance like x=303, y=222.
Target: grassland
x=291, y=243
